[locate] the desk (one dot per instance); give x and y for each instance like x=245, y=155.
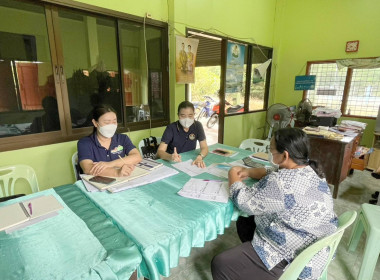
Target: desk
x=334, y=156
x=66, y=247
x=164, y=225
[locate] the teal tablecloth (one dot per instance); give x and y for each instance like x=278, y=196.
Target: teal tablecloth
x=164, y=225
x=65, y=247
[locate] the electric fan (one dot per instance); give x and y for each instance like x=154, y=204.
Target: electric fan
x=303, y=113
x=278, y=116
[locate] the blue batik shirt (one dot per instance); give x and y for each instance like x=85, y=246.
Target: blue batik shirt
x=293, y=208
x=90, y=148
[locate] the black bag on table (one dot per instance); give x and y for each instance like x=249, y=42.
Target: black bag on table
x=149, y=150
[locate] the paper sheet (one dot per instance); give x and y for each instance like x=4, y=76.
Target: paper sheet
x=211, y=190
x=155, y=175
x=189, y=168
x=219, y=169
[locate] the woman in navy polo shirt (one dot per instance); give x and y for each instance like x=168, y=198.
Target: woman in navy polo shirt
x=104, y=152
x=182, y=136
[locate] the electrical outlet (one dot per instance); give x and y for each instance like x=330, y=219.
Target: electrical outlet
x=148, y=15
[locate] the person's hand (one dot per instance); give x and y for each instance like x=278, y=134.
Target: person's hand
x=126, y=170
x=199, y=162
x=238, y=172
x=98, y=167
x=175, y=156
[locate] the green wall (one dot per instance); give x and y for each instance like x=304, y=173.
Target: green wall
x=298, y=31
x=319, y=30
x=245, y=126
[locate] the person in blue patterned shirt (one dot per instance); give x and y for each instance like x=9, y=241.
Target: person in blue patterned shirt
x=289, y=210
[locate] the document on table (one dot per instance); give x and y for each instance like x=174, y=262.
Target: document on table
x=154, y=176
x=189, y=168
x=157, y=174
x=210, y=190
x=219, y=169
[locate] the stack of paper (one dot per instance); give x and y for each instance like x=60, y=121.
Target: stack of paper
x=136, y=173
x=154, y=176
x=145, y=172
x=210, y=190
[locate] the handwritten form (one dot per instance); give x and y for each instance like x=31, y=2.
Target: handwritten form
x=189, y=168
x=211, y=190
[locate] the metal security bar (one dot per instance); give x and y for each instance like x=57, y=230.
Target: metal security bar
x=329, y=87
x=364, y=94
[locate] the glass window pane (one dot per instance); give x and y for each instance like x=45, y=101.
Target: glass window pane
x=364, y=95
x=235, y=78
x=259, y=79
x=90, y=64
x=143, y=93
x=28, y=101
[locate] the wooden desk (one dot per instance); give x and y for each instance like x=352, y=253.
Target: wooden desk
x=334, y=157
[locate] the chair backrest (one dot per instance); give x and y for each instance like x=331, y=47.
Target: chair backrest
x=142, y=144
x=10, y=174
x=75, y=165
x=331, y=241
x=255, y=145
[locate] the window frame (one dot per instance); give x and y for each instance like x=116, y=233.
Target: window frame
x=346, y=90
x=66, y=132
x=249, y=49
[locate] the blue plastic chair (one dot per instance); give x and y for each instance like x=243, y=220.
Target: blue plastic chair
x=298, y=264
x=369, y=220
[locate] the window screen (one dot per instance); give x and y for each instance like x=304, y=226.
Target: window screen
x=329, y=85
x=364, y=94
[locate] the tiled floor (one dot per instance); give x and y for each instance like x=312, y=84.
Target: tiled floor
x=353, y=191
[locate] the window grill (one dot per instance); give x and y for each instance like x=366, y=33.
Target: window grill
x=364, y=95
x=329, y=86
x=356, y=92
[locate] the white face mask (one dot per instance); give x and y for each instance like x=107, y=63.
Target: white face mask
x=186, y=122
x=270, y=159
x=108, y=130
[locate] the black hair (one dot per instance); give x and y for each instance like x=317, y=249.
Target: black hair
x=184, y=105
x=296, y=143
x=99, y=111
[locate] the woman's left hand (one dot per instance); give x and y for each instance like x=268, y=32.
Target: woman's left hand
x=199, y=162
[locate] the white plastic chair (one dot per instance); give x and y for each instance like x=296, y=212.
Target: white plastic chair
x=141, y=143
x=10, y=174
x=331, y=241
x=74, y=162
x=255, y=145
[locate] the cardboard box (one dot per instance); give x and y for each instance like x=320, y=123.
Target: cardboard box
x=374, y=160
x=360, y=163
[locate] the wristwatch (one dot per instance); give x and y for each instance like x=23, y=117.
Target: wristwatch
x=202, y=156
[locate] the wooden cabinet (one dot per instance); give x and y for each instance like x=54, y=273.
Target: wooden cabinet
x=334, y=157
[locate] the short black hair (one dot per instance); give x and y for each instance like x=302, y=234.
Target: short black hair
x=184, y=105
